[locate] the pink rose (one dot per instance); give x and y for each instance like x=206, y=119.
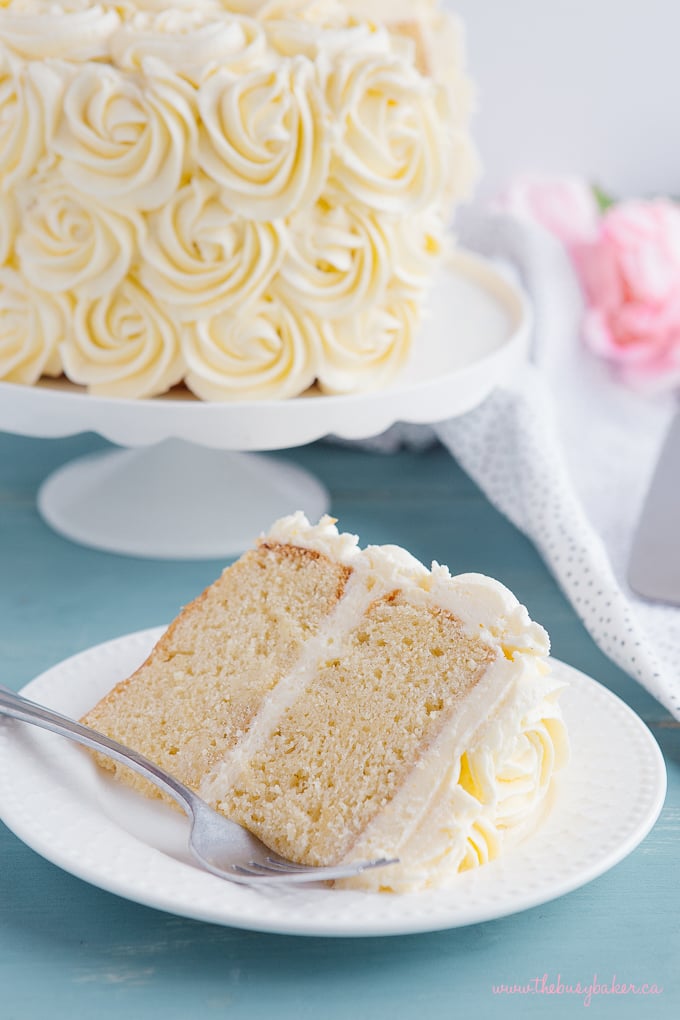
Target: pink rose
x=565, y=206
x=628, y=262
x=631, y=279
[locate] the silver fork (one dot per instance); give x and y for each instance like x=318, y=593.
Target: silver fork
x=221, y=846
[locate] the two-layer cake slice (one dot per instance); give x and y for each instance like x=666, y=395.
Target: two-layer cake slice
x=344, y=702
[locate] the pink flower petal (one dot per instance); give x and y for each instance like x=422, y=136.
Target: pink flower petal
x=565, y=206
x=597, y=335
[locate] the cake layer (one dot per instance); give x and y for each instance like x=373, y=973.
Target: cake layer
x=197, y=694
x=371, y=709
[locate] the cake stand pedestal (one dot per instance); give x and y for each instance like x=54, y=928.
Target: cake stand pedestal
x=175, y=500
x=188, y=484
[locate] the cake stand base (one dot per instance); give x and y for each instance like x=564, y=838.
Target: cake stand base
x=175, y=500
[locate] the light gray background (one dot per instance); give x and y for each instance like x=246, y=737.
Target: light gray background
x=591, y=86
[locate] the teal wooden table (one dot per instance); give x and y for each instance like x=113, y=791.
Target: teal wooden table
x=68, y=949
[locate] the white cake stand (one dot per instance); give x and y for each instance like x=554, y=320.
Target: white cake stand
x=179, y=490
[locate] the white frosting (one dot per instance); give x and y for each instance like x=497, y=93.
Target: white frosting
x=338, y=260
x=122, y=344
x=32, y=325
x=317, y=11
x=318, y=39
x=124, y=143
x=69, y=242
x=324, y=537
x=232, y=156
x=265, y=137
x=367, y=351
x=268, y=350
x=8, y=226
x=489, y=608
x=29, y=95
x=191, y=42
x=202, y=258
x=420, y=243
x=48, y=30
x=130, y=8
x=390, y=152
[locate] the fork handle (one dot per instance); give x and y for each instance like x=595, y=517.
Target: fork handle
x=21, y=708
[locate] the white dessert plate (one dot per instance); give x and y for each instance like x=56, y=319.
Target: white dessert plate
x=58, y=802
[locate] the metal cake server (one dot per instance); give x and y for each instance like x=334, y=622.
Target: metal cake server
x=218, y=844
x=654, y=565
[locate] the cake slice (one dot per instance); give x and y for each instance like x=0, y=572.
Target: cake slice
x=345, y=703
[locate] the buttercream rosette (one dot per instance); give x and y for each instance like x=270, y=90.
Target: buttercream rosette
x=268, y=350
x=337, y=261
x=69, y=242
x=32, y=327
x=123, y=344
x=201, y=258
x=367, y=351
x=246, y=196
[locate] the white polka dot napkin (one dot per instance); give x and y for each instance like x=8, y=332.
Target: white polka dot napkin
x=567, y=453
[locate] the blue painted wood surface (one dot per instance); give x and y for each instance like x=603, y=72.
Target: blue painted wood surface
x=70, y=950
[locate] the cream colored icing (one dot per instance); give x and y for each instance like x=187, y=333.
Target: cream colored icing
x=367, y=350
x=70, y=242
x=324, y=537
x=390, y=153
x=122, y=344
x=338, y=259
x=125, y=143
x=32, y=327
x=8, y=226
x=191, y=42
x=267, y=166
x=29, y=98
x=231, y=155
x=201, y=257
x=266, y=350
x=38, y=30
